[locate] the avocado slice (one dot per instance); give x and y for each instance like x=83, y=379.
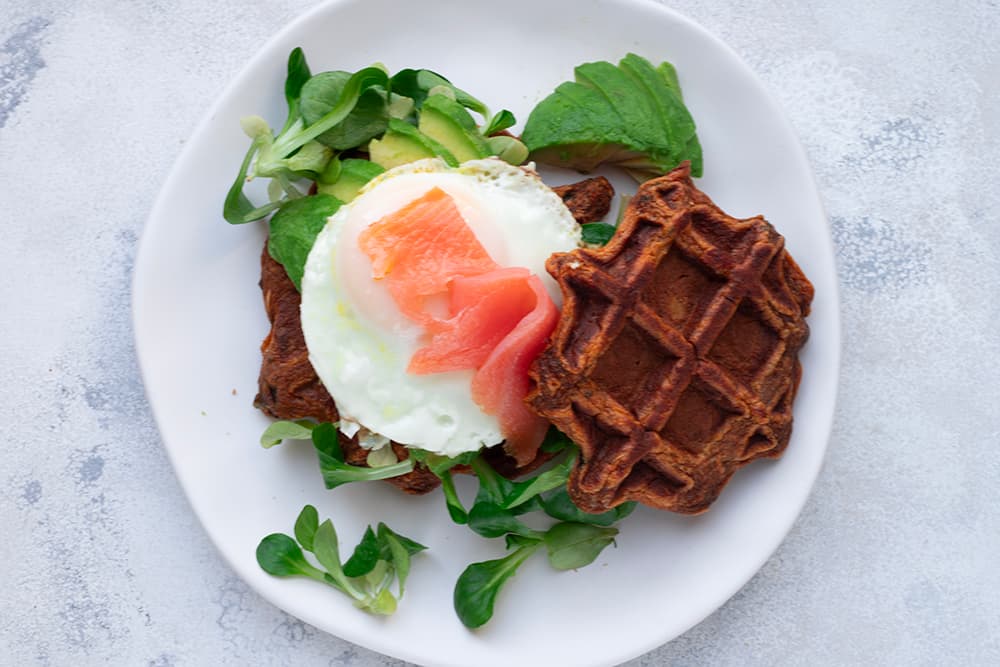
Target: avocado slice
x=508, y=149
x=631, y=115
x=446, y=121
x=669, y=74
x=637, y=114
x=578, y=128
x=354, y=174
x=402, y=143
x=663, y=89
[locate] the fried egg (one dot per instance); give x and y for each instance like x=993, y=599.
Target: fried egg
x=359, y=342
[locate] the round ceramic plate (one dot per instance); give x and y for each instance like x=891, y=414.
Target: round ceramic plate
x=199, y=322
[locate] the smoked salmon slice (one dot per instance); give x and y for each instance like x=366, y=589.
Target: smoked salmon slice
x=484, y=309
x=498, y=319
x=420, y=248
x=501, y=383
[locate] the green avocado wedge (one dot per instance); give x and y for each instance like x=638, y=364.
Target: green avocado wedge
x=631, y=115
x=403, y=143
x=293, y=230
x=447, y=122
x=354, y=174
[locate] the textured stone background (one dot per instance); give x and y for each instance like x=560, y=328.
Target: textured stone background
x=893, y=561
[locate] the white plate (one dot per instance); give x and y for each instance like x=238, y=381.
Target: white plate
x=199, y=321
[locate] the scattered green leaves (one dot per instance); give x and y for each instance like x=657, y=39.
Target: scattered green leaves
x=477, y=587
x=490, y=520
x=306, y=525
x=293, y=230
x=278, y=431
x=456, y=510
x=573, y=545
x=500, y=122
x=418, y=83
x=569, y=546
x=297, y=151
x=336, y=471
x=365, y=555
x=441, y=466
x=237, y=208
x=379, y=559
x=278, y=554
x=559, y=505
x=366, y=120
x=381, y=555
x=597, y=233
x=553, y=478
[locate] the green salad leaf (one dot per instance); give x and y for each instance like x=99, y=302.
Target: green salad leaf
x=278, y=431
x=306, y=526
x=366, y=554
x=384, y=533
x=278, y=554
x=573, y=545
x=297, y=75
x=477, y=587
x=334, y=468
x=559, y=505
x=293, y=231
x=417, y=84
x=597, y=233
x=500, y=122
x=366, y=120
x=490, y=520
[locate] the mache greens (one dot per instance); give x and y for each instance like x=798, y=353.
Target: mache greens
x=321, y=157
x=381, y=558
x=573, y=541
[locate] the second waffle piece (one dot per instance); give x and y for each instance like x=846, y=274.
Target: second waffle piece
x=675, y=360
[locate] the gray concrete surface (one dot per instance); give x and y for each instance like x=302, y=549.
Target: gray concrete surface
x=895, y=557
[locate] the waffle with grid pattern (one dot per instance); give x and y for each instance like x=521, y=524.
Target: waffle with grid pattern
x=675, y=360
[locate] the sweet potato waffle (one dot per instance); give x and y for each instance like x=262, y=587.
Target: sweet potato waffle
x=675, y=360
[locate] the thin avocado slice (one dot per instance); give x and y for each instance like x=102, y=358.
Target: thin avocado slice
x=669, y=74
x=447, y=122
x=576, y=127
x=354, y=174
x=402, y=143
x=637, y=112
x=669, y=108
x=508, y=149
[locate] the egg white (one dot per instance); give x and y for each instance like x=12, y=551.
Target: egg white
x=360, y=344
